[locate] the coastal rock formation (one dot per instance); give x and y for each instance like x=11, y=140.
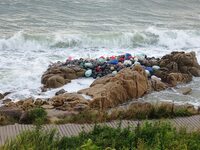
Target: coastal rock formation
x=178, y=67
x=68, y=101
x=57, y=76
x=110, y=91
x=156, y=85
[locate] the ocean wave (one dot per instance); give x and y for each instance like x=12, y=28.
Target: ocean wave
x=151, y=37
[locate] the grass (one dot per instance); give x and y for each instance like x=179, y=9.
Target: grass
x=149, y=136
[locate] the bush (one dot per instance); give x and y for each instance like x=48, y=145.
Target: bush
x=37, y=116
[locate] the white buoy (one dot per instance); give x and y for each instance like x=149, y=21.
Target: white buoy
x=155, y=67
x=88, y=73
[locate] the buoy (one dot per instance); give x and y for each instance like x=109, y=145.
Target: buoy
x=69, y=58
x=150, y=69
x=113, y=62
x=88, y=73
x=112, y=57
x=112, y=68
x=140, y=56
x=135, y=59
x=127, y=62
x=101, y=60
x=148, y=73
x=114, y=72
x=153, y=77
x=128, y=56
x=136, y=63
x=155, y=68
x=88, y=65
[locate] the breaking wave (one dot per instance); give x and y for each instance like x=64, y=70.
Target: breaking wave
x=151, y=37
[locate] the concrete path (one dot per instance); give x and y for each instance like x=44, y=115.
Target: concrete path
x=10, y=131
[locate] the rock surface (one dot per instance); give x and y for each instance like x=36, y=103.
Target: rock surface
x=58, y=76
x=185, y=90
x=62, y=91
x=178, y=67
x=112, y=91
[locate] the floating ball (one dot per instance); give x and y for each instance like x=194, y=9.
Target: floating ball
x=88, y=73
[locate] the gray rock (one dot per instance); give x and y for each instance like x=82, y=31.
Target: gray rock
x=185, y=90
x=11, y=112
x=1, y=96
x=62, y=91
x=5, y=101
x=81, y=107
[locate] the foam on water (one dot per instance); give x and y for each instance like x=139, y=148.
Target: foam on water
x=24, y=56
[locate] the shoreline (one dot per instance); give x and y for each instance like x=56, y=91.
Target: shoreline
x=130, y=77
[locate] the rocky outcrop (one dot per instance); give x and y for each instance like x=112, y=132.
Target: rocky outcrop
x=156, y=85
x=58, y=76
x=178, y=67
x=12, y=112
x=109, y=91
x=69, y=101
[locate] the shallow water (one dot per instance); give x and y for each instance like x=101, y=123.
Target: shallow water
x=34, y=33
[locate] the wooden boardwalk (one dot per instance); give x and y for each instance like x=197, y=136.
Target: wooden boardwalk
x=10, y=131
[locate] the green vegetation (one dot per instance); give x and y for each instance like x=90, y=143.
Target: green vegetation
x=37, y=116
x=149, y=136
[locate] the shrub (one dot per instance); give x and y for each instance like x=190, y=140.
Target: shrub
x=151, y=136
x=37, y=116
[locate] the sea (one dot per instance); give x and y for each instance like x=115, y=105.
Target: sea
x=35, y=33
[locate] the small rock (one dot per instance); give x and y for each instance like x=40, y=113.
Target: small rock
x=47, y=106
x=5, y=101
x=28, y=103
x=185, y=90
x=81, y=107
x=1, y=96
x=11, y=112
x=43, y=89
x=62, y=91
x=6, y=93
x=38, y=102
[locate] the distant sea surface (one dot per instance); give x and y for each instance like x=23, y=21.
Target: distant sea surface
x=34, y=33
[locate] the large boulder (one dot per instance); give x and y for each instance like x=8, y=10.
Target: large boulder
x=181, y=62
x=57, y=76
x=173, y=78
x=55, y=81
x=110, y=91
x=12, y=112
